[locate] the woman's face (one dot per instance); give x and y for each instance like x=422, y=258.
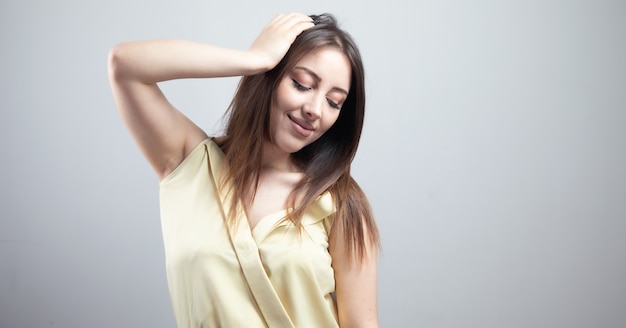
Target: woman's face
x=308, y=99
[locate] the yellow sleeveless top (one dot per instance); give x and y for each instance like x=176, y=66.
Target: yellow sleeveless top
x=224, y=276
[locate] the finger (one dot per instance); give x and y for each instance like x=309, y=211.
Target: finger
x=286, y=22
x=298, y=23
x=291, y=17
x=297, y=19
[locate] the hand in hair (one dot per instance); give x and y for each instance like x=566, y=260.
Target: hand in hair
x=276, y=38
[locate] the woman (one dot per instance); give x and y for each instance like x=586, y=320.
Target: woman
x=263, y=227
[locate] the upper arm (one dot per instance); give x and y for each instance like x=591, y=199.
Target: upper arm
x=356, y=285
x=163, y=134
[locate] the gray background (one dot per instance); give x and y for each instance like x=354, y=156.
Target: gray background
x=493, y=154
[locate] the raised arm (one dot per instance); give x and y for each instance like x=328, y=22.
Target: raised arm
x=164, y=135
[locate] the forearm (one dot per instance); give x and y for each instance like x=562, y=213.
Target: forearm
x=162, y=60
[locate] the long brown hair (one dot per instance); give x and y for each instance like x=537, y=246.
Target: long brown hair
x=325, y=162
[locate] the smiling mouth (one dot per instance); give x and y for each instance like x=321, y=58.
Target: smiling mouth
x=302, y=127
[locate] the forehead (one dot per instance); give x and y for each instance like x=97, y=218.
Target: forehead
x=330, y=65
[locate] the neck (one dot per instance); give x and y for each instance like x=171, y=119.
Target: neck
x=276, y=159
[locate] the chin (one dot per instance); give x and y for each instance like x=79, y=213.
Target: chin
x=290, y=144
x=292, y=147
x=293, y=150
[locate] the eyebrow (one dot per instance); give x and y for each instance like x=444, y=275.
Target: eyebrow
x=315, y=76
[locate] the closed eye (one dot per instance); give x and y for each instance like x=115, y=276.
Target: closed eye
x=333, y=104
x=299, y=86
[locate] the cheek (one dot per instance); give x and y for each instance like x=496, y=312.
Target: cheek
x=279, y=104
x=330, y=119
x=285, y=96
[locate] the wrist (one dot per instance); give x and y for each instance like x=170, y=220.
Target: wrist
x=257, y=63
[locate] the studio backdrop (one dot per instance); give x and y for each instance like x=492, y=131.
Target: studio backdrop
x=493, y=154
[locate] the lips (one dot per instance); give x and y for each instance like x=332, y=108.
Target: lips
x=301, y=126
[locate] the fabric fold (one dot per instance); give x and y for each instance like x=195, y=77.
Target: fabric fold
x=249, y=258
x=227, y=275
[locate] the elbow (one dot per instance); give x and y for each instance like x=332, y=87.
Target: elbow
x=116, y=62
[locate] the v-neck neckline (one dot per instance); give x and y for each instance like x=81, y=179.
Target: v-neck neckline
x=265, y=225
x=321, y=208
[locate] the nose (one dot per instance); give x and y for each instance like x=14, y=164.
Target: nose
x=313, y=108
